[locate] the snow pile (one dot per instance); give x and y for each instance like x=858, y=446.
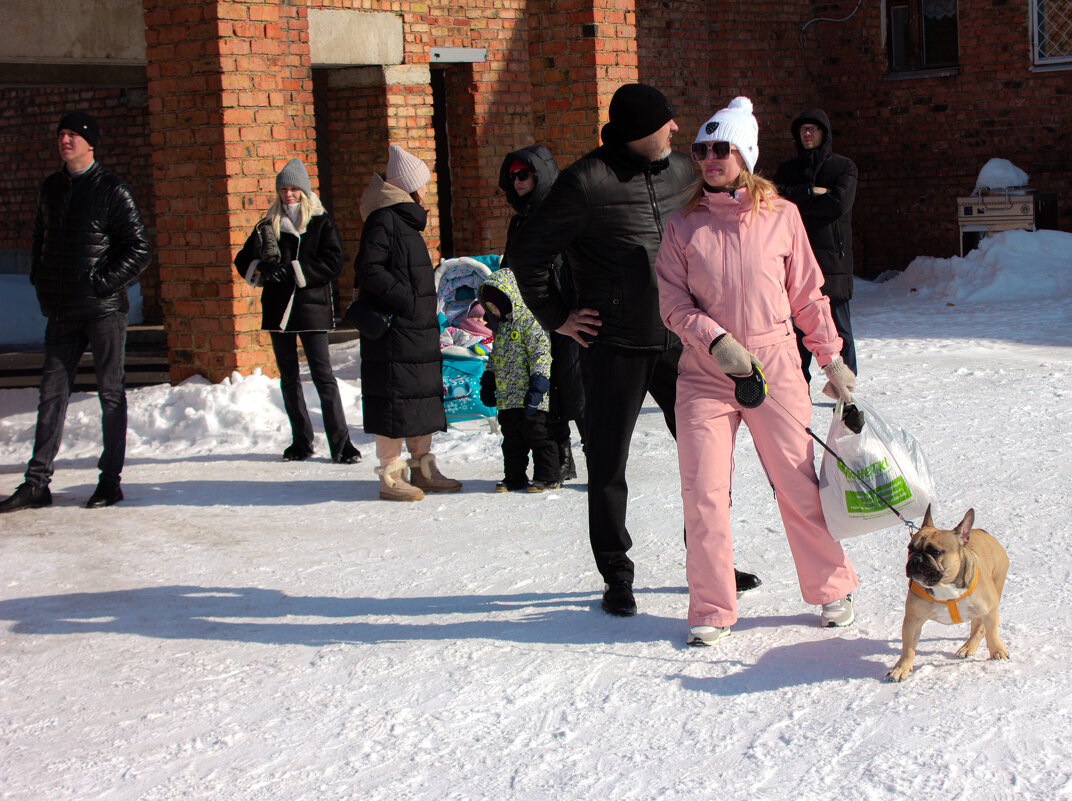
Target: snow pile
x=999, y=174
x=1008, y=266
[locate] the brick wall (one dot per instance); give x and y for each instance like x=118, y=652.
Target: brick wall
x=920, y=142
x=28, y=118
x=231, y=101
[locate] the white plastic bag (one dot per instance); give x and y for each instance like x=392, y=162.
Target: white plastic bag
x=882, y=462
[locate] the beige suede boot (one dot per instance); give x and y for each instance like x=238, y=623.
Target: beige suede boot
x=426, y=475
x=393, y=483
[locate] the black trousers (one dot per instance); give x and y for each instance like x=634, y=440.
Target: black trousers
x=65, y=342
x=317, y=354
x=616, y=380
x=523, y=433
x=839, y=310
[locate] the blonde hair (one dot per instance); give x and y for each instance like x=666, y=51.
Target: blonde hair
x=759, y=189
x=308, y=207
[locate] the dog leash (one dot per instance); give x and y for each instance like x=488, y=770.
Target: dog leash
x=911, y=526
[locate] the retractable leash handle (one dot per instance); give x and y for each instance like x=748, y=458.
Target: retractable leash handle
x=857, y=419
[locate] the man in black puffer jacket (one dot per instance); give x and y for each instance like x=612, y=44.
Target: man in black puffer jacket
x=89, y=243
x=823, y=186
x=606, y=212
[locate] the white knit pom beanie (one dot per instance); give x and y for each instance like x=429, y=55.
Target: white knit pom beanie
x=736, y=125
x=406, y=171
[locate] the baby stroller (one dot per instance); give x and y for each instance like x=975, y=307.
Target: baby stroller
x=465, y=342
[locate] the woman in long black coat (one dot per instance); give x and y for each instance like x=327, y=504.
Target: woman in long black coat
x=294, y=253
x=401, y=373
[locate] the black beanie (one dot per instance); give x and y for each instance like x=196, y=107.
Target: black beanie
x=82, y=124
x=636, y=110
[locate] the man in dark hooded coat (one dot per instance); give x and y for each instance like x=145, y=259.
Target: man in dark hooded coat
x=823, y=186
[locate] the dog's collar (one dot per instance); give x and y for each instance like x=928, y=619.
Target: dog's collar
x=951, y=605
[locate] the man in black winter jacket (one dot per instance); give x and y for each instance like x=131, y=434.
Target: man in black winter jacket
x=606, y=212
x=823, y=186
x=89, y=243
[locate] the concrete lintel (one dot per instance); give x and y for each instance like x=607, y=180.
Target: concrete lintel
x=365, y=77
x=339, y=38
x=459, y=55
x=79, y=31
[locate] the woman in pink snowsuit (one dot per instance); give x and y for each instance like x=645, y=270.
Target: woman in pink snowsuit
x=735, y=273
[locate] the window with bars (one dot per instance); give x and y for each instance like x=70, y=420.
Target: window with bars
x=922, y=34
x=1052, y=31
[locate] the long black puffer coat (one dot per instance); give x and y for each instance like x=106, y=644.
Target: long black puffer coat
x=567, y=392
x=314, y=257
x=827, y=217
x=606, y=212
x=402, y=372
x=89, y=243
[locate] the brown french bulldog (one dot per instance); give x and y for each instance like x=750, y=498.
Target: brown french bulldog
x=955, y=576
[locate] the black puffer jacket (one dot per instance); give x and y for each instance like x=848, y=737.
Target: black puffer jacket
x=314, y=258
x=827, y=217
x=401, y=373
x=567, y=392
x=606, y=211
x=89, y=243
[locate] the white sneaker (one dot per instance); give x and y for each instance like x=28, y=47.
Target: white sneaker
x=838, y=613
x=707, y=635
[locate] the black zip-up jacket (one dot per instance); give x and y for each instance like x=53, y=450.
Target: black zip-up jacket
x=827, y=217
x=89, y=243
x=607, y=212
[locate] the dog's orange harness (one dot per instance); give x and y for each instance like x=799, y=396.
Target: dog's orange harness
x=951, y=605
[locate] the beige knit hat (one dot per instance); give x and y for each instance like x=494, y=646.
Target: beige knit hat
x=405, y=170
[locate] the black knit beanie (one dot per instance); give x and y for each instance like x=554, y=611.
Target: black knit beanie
x=636, y=110
x=82, y=124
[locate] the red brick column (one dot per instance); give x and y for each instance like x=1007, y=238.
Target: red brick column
x=230, y=102
x=580, y=52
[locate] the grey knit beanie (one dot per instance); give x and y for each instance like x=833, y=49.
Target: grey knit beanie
x=405, y=170
x=294, y=174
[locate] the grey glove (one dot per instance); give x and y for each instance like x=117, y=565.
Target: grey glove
x=840, y=380
x=267, y=244
x=732, y=357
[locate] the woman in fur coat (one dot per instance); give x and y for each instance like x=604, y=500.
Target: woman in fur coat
x=293, y=254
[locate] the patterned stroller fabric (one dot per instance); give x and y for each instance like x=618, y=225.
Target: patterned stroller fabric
x=464, y=347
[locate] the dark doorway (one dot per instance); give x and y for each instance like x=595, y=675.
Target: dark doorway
x=442, y=163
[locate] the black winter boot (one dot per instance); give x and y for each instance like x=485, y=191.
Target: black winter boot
x=565, y=458
x=618, y=599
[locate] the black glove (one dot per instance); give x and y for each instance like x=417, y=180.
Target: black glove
x=538, y=386
x=267, y=244
x=487, y=388
x=272, y=272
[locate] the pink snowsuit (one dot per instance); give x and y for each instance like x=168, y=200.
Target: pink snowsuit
x=721, y=268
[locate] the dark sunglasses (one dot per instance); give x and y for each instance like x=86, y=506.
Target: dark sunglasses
x=720, y=149
x=520, y=175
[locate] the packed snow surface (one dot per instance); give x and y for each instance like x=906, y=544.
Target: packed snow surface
x=245, y=628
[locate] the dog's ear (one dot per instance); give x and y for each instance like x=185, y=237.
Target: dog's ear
x=927, y=522
x=963, y=528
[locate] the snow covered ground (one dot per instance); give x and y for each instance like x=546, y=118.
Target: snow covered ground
x=245, y=628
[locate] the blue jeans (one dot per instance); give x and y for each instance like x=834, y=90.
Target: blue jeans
x=65, y=342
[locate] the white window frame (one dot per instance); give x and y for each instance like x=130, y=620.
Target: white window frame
x=1037, y=59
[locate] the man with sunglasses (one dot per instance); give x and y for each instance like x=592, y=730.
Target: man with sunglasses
x=823, y=186
x=607, y=212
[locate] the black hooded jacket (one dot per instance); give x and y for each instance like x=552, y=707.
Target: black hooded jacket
x=827, y=217
x=89, y=242
x=606, y=212
x=567, y=394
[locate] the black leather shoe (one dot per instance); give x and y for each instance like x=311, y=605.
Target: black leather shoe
x=348, y=455
x=746, y=581
x=106, y=494
x=27, y=496
x=296, y=453
x=618, y=599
